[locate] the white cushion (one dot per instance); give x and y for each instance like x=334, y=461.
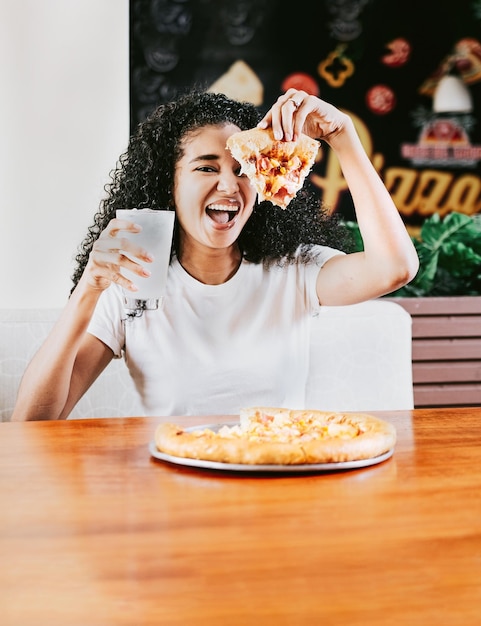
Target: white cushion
x=22, y=331
x=360, y=361
x=361, y=358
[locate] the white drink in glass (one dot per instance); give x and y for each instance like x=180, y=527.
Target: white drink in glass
x=156, y=238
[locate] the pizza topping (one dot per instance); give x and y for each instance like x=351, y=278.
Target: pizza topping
x=277, y=169
x=303, y=425
x=282, y=428
x=281, y=173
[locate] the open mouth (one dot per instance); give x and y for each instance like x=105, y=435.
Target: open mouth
x=221, y=214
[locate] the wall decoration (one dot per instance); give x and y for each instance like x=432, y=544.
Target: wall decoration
x=409, y=73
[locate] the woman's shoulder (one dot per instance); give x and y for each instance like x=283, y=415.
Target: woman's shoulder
x=317, y=254
x=305, y=256
x=309, y=254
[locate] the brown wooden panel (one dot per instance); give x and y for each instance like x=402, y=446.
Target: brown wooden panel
x=447, y=395
x=446, y=350
x=447, y=326
x=446, y=371
x=459, y=305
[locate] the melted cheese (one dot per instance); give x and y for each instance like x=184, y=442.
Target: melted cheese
x=284, y=427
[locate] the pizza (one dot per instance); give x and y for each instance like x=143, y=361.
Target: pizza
x=277, y=169
x=268, y=435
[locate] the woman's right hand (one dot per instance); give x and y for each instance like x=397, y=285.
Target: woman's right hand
x=297, y=112
x=108, y=256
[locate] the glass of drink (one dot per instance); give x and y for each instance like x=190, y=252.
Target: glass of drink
x=156, y=238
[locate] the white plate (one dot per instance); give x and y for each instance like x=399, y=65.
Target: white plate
x=245, y=467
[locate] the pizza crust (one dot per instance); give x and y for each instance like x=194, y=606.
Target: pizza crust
x=269, y=435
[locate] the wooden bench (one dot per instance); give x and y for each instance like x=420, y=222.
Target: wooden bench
x=446, y=350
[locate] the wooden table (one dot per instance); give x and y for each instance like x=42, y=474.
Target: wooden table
x=94, y=531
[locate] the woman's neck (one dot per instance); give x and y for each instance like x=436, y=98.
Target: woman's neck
x=211, y=267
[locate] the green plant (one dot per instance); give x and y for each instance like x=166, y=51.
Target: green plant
x=449, y=251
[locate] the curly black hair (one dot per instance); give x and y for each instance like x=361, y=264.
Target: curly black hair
x=144, y=178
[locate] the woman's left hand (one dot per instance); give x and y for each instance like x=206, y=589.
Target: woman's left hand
x=297, y=112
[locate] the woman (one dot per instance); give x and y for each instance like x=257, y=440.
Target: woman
x=244, y=279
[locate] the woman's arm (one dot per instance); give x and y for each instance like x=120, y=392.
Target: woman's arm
x=389, y=259
x=65, y=366
x=70, y=359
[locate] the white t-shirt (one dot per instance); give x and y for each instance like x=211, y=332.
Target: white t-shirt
x=213, y=349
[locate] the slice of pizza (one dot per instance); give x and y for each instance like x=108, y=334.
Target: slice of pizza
x=277, y=169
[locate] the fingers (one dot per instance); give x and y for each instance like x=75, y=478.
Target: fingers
x=126, y=243
x=297, y=112
x=113, y=252
x=118, y=226
x=288, y=114
x=292, y=114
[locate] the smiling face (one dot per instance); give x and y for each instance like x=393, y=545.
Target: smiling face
x=213, y=201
